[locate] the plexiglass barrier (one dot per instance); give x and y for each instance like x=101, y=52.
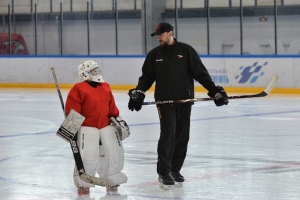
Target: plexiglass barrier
x=123, y=27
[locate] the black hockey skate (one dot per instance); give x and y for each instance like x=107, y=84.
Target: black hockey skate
x=166, y=182
x=178, y=178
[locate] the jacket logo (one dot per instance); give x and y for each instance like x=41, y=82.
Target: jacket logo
x=159, y=60
x=179, y=56
x=158, y=27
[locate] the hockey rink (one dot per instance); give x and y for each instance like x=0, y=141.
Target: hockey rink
x=249, y=150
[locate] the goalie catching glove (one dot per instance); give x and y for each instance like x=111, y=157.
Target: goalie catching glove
x=121, y=126
x=220, y=96
x=136, y=99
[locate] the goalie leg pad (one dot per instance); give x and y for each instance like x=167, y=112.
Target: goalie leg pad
x=88, y=144
x=117, y=179
x=111, y=160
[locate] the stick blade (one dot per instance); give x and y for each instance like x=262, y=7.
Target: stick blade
x=93, y=180
x=272, y=84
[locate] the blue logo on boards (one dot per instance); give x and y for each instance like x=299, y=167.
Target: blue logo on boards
x=220, y=78
x=250, y=73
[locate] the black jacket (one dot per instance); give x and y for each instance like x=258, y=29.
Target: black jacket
x=174, y=69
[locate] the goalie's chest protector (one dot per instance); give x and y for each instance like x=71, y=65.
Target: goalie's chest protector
x=97, y=105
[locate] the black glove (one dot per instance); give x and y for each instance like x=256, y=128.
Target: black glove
x=220, y=95
x=136, y=99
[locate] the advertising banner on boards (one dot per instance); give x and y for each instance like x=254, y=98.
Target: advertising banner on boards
x=251, y=72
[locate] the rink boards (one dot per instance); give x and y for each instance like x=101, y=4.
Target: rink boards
x=236, y=73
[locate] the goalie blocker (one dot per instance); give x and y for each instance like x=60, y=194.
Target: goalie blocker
x=70, y=126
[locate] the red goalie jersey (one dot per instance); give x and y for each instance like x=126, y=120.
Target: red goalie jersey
x=97, y=104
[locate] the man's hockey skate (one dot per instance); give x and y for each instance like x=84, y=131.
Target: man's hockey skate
x=166, y=182
x=178, y=178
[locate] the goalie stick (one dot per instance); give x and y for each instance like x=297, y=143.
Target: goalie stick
x=77, y=157
x=264, y=93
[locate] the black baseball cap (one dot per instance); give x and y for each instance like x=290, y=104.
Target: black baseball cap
x=161, y=28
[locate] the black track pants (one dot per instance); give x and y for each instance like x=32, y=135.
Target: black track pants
x=174, y=137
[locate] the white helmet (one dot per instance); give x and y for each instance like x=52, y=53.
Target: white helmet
x=84, y=71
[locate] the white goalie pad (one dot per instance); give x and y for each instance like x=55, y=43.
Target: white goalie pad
x=121, y=126
x=117, y=179
x=111, y=160
x=88, y=144
x=70, y=126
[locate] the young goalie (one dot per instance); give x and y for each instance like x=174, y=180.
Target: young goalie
x=99, y=138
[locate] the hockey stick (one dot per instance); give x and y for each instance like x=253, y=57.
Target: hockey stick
x=77, y=157
x=58, y=91
x=264, y=93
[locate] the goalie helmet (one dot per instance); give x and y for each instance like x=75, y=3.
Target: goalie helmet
x=90, y=71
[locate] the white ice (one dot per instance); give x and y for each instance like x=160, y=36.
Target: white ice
x=249, y=149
